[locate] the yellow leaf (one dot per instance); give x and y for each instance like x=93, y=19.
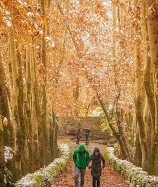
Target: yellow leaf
x=19, y=47
x=44, y=22
x=77, y=119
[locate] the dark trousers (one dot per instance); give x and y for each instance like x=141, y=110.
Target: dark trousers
x=87, y=142
x=96, y=180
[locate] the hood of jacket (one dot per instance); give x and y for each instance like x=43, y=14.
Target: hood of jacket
x=82, y=148
x=96, y=149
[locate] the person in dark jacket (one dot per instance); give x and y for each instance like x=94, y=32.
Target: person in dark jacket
x=96, y=170
x=81, y=159
x=87, y=131
x=78, y=136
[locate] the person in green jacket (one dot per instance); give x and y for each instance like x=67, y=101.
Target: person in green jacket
x=81, y=159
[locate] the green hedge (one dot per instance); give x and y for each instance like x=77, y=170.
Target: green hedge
x=135, y=175
x=47, y=175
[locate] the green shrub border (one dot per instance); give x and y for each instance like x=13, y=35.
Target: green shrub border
x=47, y=175
x=135, y=175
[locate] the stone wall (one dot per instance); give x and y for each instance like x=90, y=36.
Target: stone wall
x=68, y=126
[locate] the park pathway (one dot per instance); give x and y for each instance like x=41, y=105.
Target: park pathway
x=109, y=177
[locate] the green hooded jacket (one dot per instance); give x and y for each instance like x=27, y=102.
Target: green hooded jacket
x=81, y=160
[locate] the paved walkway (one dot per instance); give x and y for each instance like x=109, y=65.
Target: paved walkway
x=109, y=177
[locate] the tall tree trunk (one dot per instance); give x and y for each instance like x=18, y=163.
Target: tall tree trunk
x=122, y=139
x=138, y=153
x=115, y=132
x=54, y=134
x=152, y=20
x=34, y=118
x=28, y=105
x=1, y=145
x=22, y=124
x=8, y=136
x=48, y=115
x=43, y=127
x=14, y=106
x=114, y=30
x=139, y=100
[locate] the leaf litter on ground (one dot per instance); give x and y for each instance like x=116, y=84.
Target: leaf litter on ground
x=109, y=178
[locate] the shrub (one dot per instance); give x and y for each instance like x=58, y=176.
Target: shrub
x=46, y=175
x=135, y=175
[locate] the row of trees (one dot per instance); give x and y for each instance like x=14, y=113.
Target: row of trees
x=146, y=87
x=68, y=57
x=135, y=41
x=27, y=124
x=113, y=53
x=138, y=41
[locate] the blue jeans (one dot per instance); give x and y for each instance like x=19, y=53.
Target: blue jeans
x=96, y=179
x=77, y=172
